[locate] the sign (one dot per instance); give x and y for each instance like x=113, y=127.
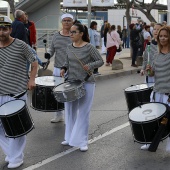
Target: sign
x=74, y=3
x=102, y=3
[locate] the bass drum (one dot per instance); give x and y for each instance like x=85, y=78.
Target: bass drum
x=138, y=94
x=145, y=121
x=42, y=96
x=15, y=118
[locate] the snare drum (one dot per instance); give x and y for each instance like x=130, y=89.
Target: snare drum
x=69, y=91
x=15, y=118
x=138, y=94
x=145, y=121
x=42, y=96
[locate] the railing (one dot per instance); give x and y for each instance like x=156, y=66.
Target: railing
x=46, y=34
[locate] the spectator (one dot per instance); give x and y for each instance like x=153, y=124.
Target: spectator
x=119, y=31
x=146, y=35
x=135, y=42
x=102, y=37
x=124, y=36
x=93, y=38
x=106, y=29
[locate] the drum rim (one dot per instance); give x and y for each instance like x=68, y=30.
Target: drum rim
x=140, y=89
x=166, y=106
x=2, y=116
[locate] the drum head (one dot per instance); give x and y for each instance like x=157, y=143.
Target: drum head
x=139, y=87
x=49, y=80
x=11, y=107
x=147, y=112
x=68, y=85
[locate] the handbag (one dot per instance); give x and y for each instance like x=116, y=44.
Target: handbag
x=119, y=49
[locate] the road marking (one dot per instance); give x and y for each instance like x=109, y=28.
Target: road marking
x=48, y=160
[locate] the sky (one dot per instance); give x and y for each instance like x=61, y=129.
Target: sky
x=4, y=4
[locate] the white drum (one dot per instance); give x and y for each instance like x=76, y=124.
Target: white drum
x=145, y=121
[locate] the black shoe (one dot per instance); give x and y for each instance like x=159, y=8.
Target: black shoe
x=45, y=64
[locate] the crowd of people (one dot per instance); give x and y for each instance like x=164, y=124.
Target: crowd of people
x=76, y=56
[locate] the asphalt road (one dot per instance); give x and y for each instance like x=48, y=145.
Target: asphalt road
x=111, y=145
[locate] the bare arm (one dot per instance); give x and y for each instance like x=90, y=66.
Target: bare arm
x=31, y=83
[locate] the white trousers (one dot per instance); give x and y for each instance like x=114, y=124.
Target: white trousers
x=56, y=72
x=149, y=79
x=12, y=148
x=77, y=118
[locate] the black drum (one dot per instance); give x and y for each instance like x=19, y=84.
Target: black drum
x=15, y=118
x=145, y=121
x=138, y=94
x=42, y=96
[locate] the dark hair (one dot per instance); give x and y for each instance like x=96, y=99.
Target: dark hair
x=76, y=22
x=93, y=23
x=113, y=27
x=83, y=28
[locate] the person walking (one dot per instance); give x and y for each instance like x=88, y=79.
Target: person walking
x=113, y=42
x=77, y=112
x=124, y=37
x=14, y=81
x=58, y=48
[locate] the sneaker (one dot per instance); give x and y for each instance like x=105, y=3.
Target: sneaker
x=57, y=119
x=134, y=65
x=14, y=165
x=84, y=148
x=107, y=64
x=65, y=143
x=145, y=147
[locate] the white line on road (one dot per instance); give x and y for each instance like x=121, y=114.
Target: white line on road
x=48, y=160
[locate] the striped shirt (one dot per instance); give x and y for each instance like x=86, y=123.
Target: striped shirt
x=58, y=46
x=87, y=54
x=13, y=70
x=161, y=67
x=153, y=51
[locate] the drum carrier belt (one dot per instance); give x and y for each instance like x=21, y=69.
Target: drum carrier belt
x=17, y=96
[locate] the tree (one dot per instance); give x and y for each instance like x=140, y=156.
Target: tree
x=146, y=8
x=12, y=6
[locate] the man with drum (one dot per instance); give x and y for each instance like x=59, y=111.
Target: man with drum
x=58, y=46
x=14, y=83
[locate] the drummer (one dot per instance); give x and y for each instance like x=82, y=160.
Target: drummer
x=160, y=69
x=82, y=59
x=152, y=49
x=58, y=47
x=14, y=82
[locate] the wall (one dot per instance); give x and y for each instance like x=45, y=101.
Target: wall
x=115, y=16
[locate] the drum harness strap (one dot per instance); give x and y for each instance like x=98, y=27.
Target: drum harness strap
x=17, y=96
x=89, y=73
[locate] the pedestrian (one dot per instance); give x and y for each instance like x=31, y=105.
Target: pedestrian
x=58, y=48
x=119, y=31
x=124, y=37
x=103, y=51
x=14, y=80
x=160, y=69
x=106, y=29
x=93, y=38
x=113, y=42
x=77, y=112
x=22, y=33
x=135, y=42
x=149, y=54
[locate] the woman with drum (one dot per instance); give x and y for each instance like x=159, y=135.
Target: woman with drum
x=149, y=53
x=82, y=59
x=160, y=70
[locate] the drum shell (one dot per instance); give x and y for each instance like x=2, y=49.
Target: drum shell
x=43, y=99
x=71, y=94
x=137, y=97
x=144, y=132
x=17, y=124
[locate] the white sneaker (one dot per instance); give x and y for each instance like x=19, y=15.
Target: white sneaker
x=84, y=148
x=64, y=142
x=6, y=159
x=145, y=147
x=57, y=119
x=13, y=165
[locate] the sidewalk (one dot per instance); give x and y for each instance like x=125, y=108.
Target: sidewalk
x=106, y=72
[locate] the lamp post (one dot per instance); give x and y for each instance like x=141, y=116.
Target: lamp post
x=168, y=12
x=89, y=13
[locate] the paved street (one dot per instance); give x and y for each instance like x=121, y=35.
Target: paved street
x=111, y=145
